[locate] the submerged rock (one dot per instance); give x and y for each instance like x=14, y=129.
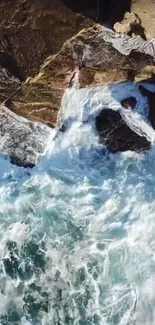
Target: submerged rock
x=117, y=135
x=129, y=103
x=151, y=101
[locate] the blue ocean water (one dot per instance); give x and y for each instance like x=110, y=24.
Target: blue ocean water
x=77, y=232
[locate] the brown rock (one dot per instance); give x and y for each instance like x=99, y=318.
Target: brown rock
x=117, y=135
x=130, y=25
x=129, y=103
x=145, y=9
x=151, y=101
x=90, y=58
x=32, y=30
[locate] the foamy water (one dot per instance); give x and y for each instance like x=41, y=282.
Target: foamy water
x=77, y=233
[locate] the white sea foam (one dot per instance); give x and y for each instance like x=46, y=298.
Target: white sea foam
x=95, y=213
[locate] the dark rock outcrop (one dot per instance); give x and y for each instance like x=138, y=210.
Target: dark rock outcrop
x=117, y=135
x=129, y=103
x=100, y=10
x=151, y=101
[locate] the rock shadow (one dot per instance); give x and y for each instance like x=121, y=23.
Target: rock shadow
x=100, y=10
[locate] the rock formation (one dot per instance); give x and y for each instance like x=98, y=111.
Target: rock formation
x=129, y=103
x=151, y=103
x=130, y=25
x=95, y=56
x=146, y=12
x=117, y=135
x=22, y=140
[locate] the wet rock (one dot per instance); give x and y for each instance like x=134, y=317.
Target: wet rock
x=22, y=140
x=95, y=56
x=62, y=47
x=151, y=101
x=130, y=25
x=129, y=103
x=117, y=135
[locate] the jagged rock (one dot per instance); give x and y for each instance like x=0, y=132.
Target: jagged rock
x=8, y=83
x=151, y=101
x=117, y=135
x=22, y=140
x=129, y=103
x=32, y=30
x=130, y=25
x=95, y=56
x=145, y=9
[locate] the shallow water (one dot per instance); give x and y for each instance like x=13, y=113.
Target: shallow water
x=77, y=233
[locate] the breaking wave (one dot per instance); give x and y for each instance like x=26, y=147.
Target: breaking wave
x=77, y=232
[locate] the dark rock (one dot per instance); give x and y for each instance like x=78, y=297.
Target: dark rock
x=32, y=30
x=100, y=10
x=117, y=135
x=129, y=102
x=151, y=101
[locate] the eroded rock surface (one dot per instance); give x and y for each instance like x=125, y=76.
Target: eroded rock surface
x=129, y=103
x=117, y=135
x=145, y=9
x=130, y=25
x=22, y=140
x=56, y=47
x=32, y=30
x=95, y=56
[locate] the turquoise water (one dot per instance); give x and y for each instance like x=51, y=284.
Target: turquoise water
x=77, y=233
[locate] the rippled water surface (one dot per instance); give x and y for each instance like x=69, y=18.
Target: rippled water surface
x=77, y=233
